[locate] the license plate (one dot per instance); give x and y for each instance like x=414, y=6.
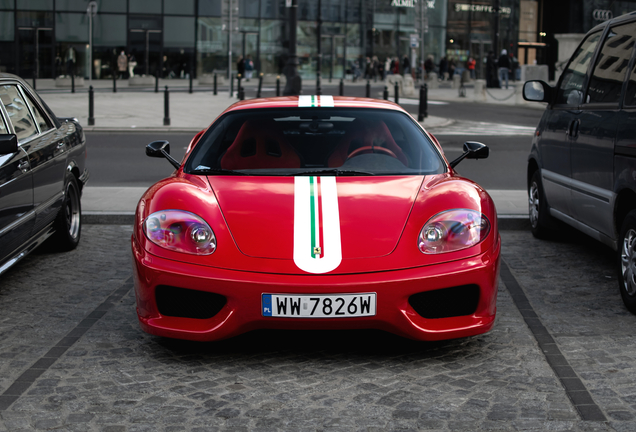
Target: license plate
x=318, y=305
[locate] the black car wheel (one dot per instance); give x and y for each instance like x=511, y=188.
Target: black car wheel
x=68, y=225
x=540, y=219
x=627, y=261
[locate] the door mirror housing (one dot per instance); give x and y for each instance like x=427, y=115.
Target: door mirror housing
x=537, y=91
x=472, y=150
x=8, y=144
x=160, y=149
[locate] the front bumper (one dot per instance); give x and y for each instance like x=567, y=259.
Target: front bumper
x=242, y=311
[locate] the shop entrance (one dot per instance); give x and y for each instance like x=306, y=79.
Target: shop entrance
x=35, y=52
x=145, y=45
x=479, y=51
x=333, y=60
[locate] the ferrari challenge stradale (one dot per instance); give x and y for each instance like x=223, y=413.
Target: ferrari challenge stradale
x=315, y=212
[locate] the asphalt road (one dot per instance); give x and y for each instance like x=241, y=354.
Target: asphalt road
x=118, y=159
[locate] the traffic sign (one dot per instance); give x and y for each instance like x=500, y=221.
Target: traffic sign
x=230, y=14
x=91, y=10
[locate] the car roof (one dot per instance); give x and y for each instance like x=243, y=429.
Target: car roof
x=293, y=102
x=618, y=20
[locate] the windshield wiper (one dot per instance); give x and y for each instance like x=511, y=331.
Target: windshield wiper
x=221, y=171
x=334, y=171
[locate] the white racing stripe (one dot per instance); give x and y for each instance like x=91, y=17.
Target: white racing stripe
x=307, y=239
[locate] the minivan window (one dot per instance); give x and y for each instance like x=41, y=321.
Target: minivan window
x=609, y=72
x=571, y=89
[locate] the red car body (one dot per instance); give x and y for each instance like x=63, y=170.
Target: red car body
x=380, y=218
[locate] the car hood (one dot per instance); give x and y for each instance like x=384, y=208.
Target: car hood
x=316, y=221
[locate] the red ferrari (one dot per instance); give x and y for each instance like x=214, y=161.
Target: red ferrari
x=315, y=212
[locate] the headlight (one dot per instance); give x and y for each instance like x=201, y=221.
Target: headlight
x=453, y=230
x=180, y=231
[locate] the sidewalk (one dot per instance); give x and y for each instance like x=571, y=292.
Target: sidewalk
x=143, y=111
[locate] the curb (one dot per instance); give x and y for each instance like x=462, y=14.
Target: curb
x=505, y=222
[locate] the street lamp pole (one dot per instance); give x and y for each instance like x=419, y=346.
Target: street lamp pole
x=319, y=46
x=293, y=86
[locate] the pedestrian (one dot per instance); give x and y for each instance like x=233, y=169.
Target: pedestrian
x=122, y=65
x=367, y=68
x=504, y=68
x=406, y=65
x=443, y=68
x=470, y=65
x=240, y=66
x=132, y=63
x=490, y=70
x=387, y=67
x=452, y=65
x=396, y=66
x=429, y=65
x=249, y=68
x=70, y=61
x=355, y=66
x=375, y=64
x=515, y=70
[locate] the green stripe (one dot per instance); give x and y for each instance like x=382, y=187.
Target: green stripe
x=312, y=189
x=314, y=102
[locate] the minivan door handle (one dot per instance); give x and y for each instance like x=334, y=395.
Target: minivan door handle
x=573, y=129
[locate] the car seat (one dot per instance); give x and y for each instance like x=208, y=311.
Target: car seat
x=363, y=139
x=258, y=145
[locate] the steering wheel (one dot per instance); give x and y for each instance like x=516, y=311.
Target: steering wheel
x=371, y=149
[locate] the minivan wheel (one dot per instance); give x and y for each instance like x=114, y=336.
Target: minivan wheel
x=68, y=225
x=627, y=261
x=537, y=208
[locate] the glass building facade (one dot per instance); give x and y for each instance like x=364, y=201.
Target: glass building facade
x=174, y=38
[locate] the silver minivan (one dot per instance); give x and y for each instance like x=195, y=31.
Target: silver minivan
x=582, y=165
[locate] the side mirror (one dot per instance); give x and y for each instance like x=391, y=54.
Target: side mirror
x=472, y=150
x=160, y=149
x=8, y=144
x=537, y=91
x=155, y=148
x=476, y=150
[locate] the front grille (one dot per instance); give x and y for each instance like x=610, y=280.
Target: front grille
x=446, y=302
x=187, y=303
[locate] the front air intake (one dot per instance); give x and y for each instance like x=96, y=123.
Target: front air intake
x=187, y=303
x=446, y=302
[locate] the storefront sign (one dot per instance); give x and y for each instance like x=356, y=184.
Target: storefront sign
x=404, y=3
x=602, y=15
x=463, y=7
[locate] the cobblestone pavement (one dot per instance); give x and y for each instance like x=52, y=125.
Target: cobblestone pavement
x=74, y=358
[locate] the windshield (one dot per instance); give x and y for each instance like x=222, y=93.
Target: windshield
x=338, y=141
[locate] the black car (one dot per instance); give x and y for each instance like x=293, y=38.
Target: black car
x=42, y=173
x=582, y=166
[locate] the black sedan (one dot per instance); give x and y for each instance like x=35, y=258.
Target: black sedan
x=42, y=173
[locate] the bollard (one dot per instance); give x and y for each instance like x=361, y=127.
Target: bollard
x=241, y=93
x=215, y=92
x=277, y=85
x=423, y=111
x=238, y=86
x=157, y=81
x=91, y=107
x=396, y=89
x=385, y=94
x=166, y=108
x=231, y=85
x=114, y=82
x=190, y=90
x=260, y=85
x=72, y=83
x=34, y=87
x=341, y=93
x=368, y=88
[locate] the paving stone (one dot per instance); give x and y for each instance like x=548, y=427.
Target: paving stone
x=114, y=377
